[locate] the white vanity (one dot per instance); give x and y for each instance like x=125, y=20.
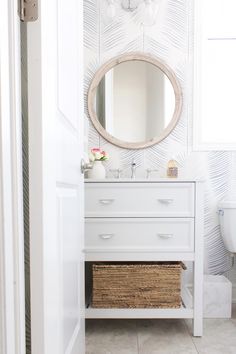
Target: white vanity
x=147, y=220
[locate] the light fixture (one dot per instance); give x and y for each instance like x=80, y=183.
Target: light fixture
x=147, y=9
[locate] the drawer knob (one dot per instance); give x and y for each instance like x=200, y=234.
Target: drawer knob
x=106, y=201
x=106, y=236
x=165, y=201
x=165, y=236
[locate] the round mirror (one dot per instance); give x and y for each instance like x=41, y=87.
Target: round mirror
x=134, y=101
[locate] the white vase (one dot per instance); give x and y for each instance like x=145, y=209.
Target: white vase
x=98, y=171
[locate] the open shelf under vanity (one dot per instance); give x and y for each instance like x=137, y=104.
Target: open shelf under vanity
x=185, y=311
x=138, y=313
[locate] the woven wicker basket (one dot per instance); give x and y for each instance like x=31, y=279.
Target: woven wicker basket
x=137, y=285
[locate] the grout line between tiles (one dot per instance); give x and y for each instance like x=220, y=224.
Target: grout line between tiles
x=136, y=326
x=190, y=334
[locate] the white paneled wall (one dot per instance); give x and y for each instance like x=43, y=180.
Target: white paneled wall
x=171, y=40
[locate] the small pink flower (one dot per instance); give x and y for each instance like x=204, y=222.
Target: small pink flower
x=97, y=154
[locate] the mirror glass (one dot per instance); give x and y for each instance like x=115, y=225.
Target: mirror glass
x=134, y=101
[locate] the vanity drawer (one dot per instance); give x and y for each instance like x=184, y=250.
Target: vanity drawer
x=139, y=199
x=127, y=234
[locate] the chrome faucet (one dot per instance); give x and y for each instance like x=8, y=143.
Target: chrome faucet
x=133, y=168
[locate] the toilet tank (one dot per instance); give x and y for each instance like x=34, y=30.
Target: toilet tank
x=227, y=216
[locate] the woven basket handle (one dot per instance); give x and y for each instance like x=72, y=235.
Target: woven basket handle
x=183, y=266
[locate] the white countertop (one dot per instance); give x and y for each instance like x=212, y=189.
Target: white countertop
x=142, y=180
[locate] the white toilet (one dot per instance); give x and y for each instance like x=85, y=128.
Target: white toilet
x=227, y=215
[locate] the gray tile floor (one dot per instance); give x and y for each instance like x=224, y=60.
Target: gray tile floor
x=160, y=337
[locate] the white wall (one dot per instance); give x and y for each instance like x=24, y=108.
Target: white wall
x=130, y=104
x=155, y=101
x=142, y=101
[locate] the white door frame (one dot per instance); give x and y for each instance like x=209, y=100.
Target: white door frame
x=12, y=302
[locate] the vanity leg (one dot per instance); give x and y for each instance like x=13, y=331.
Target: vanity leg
x=198, y=300
x=198, y=262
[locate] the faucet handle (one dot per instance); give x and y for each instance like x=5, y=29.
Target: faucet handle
x=117, y=172
x=149, y=171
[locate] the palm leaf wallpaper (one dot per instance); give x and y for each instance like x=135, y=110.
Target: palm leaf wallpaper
x=170, y=39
